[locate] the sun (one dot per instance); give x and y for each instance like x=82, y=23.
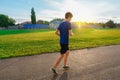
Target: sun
x=78, y=24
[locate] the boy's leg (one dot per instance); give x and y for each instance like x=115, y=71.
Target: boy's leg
x=58, y=61
x=66, y=57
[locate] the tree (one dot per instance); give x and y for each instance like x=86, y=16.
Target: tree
x=5, y=21
x=60, y=19
x=118, y=25
x=42, y=22
x=33, y=16
x=11, y=22
x=110, y=24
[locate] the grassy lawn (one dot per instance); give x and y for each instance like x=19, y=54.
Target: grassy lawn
x=15, y=43
x=7, y=32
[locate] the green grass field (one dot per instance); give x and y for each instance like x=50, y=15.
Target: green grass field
x=15, y=43
x=7, y=32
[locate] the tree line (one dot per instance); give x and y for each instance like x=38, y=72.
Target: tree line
x=109, y=24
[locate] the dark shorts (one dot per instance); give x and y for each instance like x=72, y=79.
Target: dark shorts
x=64, y=48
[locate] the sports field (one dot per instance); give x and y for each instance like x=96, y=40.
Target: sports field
x=15, y=43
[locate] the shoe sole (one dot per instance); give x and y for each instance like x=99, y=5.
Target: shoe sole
x=55, y=73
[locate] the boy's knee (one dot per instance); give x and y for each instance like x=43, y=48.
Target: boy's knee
x=62, y=55
x=67, y=51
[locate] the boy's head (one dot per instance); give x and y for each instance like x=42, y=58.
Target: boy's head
x=68, y=16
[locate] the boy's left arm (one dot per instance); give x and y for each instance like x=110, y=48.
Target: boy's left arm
x=70, y=33
x=70, y=30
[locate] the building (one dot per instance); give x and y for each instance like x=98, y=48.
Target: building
x=55, y=23
x=2, y=28
x=35, y=26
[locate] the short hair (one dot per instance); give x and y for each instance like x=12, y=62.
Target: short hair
x=68, y=14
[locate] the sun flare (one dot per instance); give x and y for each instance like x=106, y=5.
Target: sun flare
x=81, y=12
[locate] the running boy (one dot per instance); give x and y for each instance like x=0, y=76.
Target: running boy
x=64, y=31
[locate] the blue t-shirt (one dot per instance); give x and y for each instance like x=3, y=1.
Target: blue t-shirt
x=64, y=28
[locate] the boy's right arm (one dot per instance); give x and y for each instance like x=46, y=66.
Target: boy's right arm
x=57, y=32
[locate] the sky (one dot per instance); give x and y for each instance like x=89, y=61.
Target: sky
x=83, y=10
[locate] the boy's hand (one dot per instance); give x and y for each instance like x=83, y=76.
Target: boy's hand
x=70, y=33
x=57, y=32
